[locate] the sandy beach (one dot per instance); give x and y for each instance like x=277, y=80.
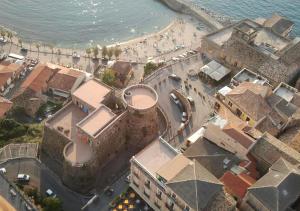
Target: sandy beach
x=180, y=34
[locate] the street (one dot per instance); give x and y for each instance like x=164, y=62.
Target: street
x=43, y=178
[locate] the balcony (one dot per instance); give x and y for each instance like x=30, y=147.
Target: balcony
x=158, y=195
x=170, y=207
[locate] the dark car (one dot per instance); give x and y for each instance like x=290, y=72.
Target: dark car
x=174, y=77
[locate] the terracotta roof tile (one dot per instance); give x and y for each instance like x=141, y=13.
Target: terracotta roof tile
x=234, y=184
x=64, y=79
x=38, y=79
x=5, y=105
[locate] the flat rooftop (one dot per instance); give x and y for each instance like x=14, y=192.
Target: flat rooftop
x=97, y=120
x=92, y=93
x=249, y=76
x=140, y=96
x=285, y=91
x=155, y=155
x=67, y=118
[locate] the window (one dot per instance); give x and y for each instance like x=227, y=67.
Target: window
x=173, y=196
x=230, y=104
x=136, y=172
x=158, y=193
x=147, y=183
x=170, y=204
x=147, y=192
x=247, y=119
x=186, y=208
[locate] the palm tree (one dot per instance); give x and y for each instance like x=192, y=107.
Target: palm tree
x=96, y=52
x=88, y=52
x=117, y=52
x=2, y=33
x=104, y=51
x=52, y=50
x=110, y=53
x=9, y=35
x=20, y=42
x=37, y=45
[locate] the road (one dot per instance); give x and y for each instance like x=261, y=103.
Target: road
x=43, y=178
x=199, y=91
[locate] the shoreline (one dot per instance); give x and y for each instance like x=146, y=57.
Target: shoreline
x=46, y=49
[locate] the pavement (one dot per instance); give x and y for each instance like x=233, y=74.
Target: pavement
x=17, y=200
x=200, y=92
x=43, y=178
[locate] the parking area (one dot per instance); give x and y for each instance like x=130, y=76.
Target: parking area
x=200, y=92
x=42, y=178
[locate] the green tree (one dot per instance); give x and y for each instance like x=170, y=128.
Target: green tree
x=117, y=52
x=108, y=77
x=149, y=68
x=2, y=33
x=52, y=204
x=10, y=35
x=20, y=42
x=110, y=53
x=95, y=51
x=88, y=52
x=37, y=45
x=104, y=52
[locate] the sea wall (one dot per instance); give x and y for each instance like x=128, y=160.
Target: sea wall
x=186, y=7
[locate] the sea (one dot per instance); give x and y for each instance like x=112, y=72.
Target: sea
x=80, y=23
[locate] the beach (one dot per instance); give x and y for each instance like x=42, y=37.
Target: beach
x=181, y=34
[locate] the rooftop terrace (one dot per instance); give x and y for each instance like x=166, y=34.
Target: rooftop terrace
x=92, y=93
x=66, y=120
x=140, y=96
x=155, y=155
x=97, y=120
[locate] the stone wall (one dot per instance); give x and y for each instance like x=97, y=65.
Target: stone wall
x=186, y=7
x=53, y=143
x=142, y=127
x=79, y=178
x=111, y=141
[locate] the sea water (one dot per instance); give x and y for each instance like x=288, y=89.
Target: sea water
x=79, y=23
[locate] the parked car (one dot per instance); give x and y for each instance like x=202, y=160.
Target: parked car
x=127, y=179
x=174, y=98
x=23, y=177
x=191, y=100
x=50, y=193
x=184, y=117
x=3, y=40
x=175, y=77
x=2, y=170
x=108, y=191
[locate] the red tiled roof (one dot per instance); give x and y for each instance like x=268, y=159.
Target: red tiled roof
x=38, y=79
x=64, y=79
x=235, y=185
x=5, y=105
x=7, y=70
x=239, y=137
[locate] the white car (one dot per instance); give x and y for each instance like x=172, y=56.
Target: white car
x=2, y=170
x=174, y=98
x=184, y=117
x=2, y=39
x=23, y=177
x=50, y=193
x=191, y=100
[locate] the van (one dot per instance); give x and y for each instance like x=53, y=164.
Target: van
x=23, y=177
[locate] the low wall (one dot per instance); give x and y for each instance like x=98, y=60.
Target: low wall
x=186, y=105
x=186, y=7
